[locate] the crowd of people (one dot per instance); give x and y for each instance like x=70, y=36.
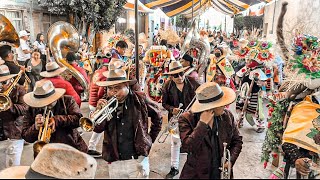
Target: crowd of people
x=241, y=69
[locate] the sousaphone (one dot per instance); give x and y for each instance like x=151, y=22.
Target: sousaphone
x=63, y=38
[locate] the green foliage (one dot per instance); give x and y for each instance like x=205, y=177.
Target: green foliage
x=248, y=21
x=182, y=22
x=100, y=12
x=275, y=130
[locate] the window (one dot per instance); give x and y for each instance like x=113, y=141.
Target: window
x=15, y=18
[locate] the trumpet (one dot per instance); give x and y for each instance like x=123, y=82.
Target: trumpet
x=172, y=127
x=44, y=133
x=225, y=171
x=5, y=101
x=97, y=117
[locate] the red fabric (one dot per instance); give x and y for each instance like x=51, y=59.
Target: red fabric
x=75, y=83
x=96, y=92
x=253, y=64
x=59, y=82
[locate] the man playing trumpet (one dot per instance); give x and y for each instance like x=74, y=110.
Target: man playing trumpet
x=126, y=137
x=11, y=119
x=64, y=118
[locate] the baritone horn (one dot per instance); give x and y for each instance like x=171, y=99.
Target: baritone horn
x=44, y=133
x=226, y=158
x=98, y=116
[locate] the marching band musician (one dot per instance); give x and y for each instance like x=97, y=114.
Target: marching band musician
x=179, y=89
x=7, y=55
x=127, y=142
x=205, y=128
x=52, y=73
x=11, y=121
x=65, y=119
x=72, y=58
x=187, y=61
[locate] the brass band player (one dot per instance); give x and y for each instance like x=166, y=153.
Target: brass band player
x=11, y=118
x=65, y=119
x=126, y=137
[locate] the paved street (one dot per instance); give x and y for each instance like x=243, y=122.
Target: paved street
x=247, y=166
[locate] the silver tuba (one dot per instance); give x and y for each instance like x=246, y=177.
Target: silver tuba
x=193, y=40
x=97, y=117
x=62, y=38
x=225, y=171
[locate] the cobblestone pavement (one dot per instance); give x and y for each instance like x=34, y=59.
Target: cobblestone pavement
x=248, y=164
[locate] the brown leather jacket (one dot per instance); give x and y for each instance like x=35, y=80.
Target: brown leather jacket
x=66, y=115
x=12, y=119
x=170, y=98
x=139, y=111
x=196, y=141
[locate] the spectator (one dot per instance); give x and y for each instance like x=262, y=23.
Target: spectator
x=24, y=51
x=39, y=44
x=119, y=51
x=34, y=67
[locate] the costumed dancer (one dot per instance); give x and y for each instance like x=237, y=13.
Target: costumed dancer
x=207, y=132
x=253, y=83
x=180, y=89
x=127, y=142
x=158, y=59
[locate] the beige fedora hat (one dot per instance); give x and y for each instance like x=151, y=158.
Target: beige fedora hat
x=114, y=76
x=44, y=93
x=5, y=73
x=1, y=61
x=55, y=161
x=53, y=69
x=210, y=95
x=176, y=67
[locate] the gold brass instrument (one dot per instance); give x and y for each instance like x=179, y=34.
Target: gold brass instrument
x=8, y=33
x=226, y=158
x=63, y=38
x=9, y=36
x=5, y=101
x=98, y=116
x=44, y=133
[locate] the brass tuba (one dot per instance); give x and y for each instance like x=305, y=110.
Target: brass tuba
x=62, y=38
x=8, y=36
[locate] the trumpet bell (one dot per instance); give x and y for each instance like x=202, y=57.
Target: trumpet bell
x=5, y=102
x=37, y=147
x=86, y=124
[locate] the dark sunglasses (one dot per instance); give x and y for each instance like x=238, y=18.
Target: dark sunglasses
x=177, y=75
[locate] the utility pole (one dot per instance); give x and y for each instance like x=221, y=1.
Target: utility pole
x=136, y=48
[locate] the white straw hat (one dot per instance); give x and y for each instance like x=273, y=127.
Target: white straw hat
x=44, y=93
x=114, y=76
x=210, y=95
x=176, y=67
x=5, y=73
x=55, y=161
x=53, y=69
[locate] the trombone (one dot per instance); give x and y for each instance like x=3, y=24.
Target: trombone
x=44, y=133
x=98, y=116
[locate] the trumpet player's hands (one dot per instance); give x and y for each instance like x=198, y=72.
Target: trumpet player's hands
x=175, y=111
x=52, y=124
x=302, y=167
x=207, y=117
x=227, y=164
x=39, y=121
x=101, y=103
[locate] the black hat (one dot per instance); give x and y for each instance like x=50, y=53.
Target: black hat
x=187, y=57
x=4, y=51
x=71, y=56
